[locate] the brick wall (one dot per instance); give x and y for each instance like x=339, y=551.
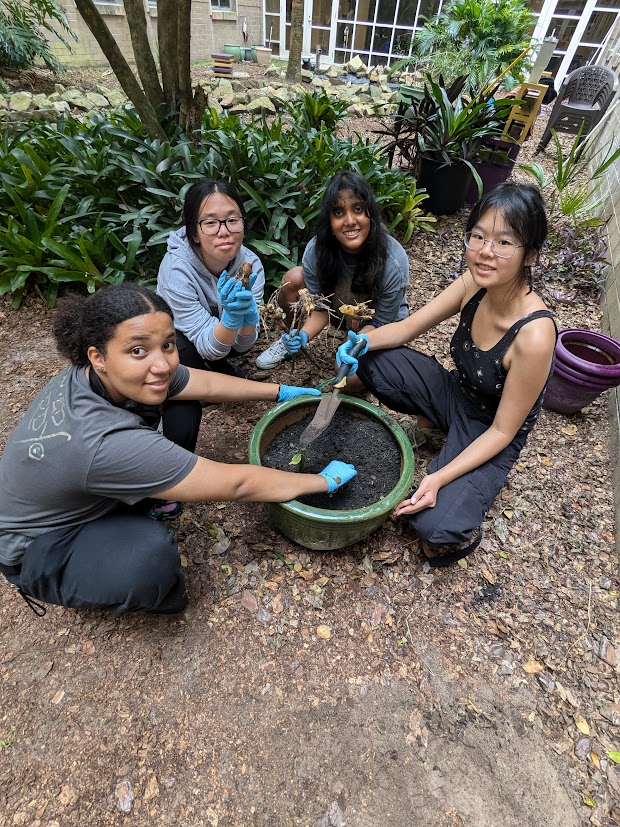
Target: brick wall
x=211, y=30
x=611, y=299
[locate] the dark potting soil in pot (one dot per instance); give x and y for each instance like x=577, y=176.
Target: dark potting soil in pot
x=367, y=444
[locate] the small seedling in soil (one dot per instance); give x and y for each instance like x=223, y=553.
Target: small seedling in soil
x=297, y=460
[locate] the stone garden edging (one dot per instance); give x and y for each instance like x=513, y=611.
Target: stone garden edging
x=370, y=94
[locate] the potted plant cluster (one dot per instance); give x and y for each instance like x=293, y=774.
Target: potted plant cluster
x=439, y=135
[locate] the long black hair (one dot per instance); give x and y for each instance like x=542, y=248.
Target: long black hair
x=371, y=259
x=194, y=197
x=81, y=322
x=523, y=209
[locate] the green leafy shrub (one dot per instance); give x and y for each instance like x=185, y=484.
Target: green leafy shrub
x=575, y=253
x=92, y=202
x=488, y=34
x=23, y=24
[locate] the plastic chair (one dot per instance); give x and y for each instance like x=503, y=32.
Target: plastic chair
x=583, y=98
x=523, y=115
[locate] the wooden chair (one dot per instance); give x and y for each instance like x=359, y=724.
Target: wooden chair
x=523, y=115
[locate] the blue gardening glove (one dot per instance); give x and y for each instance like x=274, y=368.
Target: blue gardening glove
x=252, y=316
x=290, y=392
x=295, y=341
x=342, y=354
x=236, y=301
x=337, y=473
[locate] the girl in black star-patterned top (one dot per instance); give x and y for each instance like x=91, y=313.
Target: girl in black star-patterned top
x=503, y=351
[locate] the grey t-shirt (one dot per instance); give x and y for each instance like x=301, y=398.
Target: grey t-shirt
x=73, y=458
x=391, y=302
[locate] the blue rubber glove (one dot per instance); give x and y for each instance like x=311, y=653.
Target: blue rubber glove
x=342, y=354
x=295, y=341
x=337, y=473
x=252, y=316
x=290, y=392
x=236, y=302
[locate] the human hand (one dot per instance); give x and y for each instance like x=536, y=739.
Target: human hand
x=425, y=496
x=295, y=341
x=343, y=354
x=337, y=473
x=236, y=302
x=290, y=392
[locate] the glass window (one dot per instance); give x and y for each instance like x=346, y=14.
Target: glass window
x=272, y=6
x=402, y=42
x=322, y=12
x=563, y=28
x=346, y=9
x=600, y=23
x=407, y=11
x=221, y=5
x=272, y=28
x=362, y=36
x=344, y=33
x=319, y=37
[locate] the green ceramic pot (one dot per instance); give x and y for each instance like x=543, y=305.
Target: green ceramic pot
x=234, y=50
x=320, y=528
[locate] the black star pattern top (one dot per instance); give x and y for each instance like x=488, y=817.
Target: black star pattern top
x=480, y=372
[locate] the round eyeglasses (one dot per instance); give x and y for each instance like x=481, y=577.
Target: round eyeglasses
x=501, y=248
x=211, y=226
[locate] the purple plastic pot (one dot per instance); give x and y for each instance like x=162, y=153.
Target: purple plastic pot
x=567, y=397
x=586, y=365
x=566, y=372
x=588, y=352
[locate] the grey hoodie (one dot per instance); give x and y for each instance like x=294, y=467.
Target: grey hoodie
x=191, y=291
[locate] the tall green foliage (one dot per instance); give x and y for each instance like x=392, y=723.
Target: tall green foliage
x=93, y=202
x=23, y=28
x=491, y=34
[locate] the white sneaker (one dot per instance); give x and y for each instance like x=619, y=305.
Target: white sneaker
x=272, y=356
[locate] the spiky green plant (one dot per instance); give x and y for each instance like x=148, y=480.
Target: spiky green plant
x=23, y=28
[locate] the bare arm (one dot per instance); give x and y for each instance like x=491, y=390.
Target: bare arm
x=448, y=303
x=529, y=367
x=209, y=386
x=315, y=322
x=211, y=481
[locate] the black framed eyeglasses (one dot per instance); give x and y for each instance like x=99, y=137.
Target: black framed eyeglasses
x=211, y=226
x=501, y=248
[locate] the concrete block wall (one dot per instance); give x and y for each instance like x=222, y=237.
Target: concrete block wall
x=211, y=30
x=611, y=299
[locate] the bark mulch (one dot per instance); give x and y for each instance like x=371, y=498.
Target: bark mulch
x=338, y=688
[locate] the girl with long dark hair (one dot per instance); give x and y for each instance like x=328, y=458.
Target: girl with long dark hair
x=352, y=259
x=503, y=350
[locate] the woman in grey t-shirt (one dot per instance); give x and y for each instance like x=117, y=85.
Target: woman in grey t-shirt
x=74, y=475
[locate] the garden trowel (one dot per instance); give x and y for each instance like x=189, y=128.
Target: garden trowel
x=329, y=403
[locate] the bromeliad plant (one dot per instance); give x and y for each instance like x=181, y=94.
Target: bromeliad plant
x=93, y=202
x=438, y=123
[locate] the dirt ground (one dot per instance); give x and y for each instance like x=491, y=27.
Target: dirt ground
x=322, y=689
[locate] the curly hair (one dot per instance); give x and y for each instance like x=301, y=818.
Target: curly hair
x=81, y=322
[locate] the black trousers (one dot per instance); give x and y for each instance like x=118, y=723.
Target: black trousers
x=181, y=420
x=411, y=382
x=124, y=562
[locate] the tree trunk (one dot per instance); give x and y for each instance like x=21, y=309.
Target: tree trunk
x=167, y=36
x=184, y=10
x=120, y=67
x=145, y=62
x=293, y=70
